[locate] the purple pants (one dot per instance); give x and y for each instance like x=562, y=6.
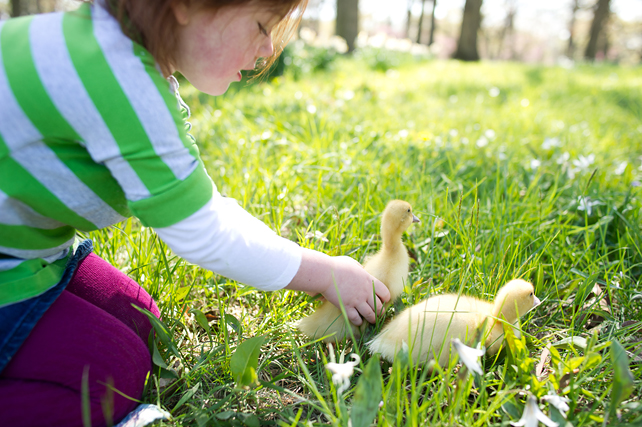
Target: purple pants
x=90, y=328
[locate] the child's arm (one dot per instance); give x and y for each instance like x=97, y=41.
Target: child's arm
x=318, y=273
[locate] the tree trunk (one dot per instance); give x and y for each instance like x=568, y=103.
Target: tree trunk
x=507, y=30
x=571, y=29
x=16, y=8
x=600, y=17
x=409, y=18
x=470, y=24
x=431, y=40
x=421, y=21
x=348, y=21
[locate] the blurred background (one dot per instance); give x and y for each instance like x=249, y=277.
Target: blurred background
x=543, y=31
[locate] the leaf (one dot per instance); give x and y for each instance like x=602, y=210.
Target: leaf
x=201, y=319
x=571, y=342
x=245, y=360
x=250, y=420
x=188, y=395
x=234, y=323
x=622, y=376
x=225, y=415
x=156, y=356
x=162, y=331
x=181, y=293
x=367, y=395
x=511, y=408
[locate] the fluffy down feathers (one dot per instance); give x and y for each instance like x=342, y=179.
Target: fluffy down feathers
x=390, y=265
x=429, y=326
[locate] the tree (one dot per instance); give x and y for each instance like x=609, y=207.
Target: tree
x=16, y=8
x=431, y=40
x=571, y=29
x=600, y=17
x=508, y=28
x=421, y=21
x=470, y=24
x=409, y=18
x=348, y=21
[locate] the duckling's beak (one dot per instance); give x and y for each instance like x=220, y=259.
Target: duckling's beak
x=536, y=301
x=415, y=219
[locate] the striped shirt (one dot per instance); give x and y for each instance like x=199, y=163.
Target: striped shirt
x=90, y=134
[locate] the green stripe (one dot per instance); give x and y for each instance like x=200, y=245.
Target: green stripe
x=16, y=182
x=30, y=238
x=29, y=279
x=60, y=136
x=177, y=203
x=112, y=103
x=26, y=85
x=95, y=176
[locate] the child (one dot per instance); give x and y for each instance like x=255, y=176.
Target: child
x=90, y=135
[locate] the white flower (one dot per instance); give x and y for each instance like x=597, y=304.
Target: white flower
x=468, y=356
x=621, y=168
x=316, y=235
x=533, y=415
x=586, y=204
x=341, y=372
x=482, y=142
x=493, y=92
x=584, y=162
x=535, y=163
x=561, y=403
x=551, y=143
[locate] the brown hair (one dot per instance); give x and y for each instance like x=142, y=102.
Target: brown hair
x=152, y=24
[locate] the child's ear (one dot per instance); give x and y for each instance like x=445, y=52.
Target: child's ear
x=181, y=11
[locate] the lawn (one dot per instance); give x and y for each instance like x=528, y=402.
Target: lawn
x=516, y=171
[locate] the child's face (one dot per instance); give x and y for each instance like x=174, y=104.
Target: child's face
x=213, y=47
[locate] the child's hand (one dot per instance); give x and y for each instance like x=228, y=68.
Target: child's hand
x=318, y=273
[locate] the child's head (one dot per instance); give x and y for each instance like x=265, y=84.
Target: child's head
x=210, y=41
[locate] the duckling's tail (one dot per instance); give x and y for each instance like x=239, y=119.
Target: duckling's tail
x=387, y=343
x=327, y=321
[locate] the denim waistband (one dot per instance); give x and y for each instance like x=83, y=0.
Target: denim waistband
x=17, y=320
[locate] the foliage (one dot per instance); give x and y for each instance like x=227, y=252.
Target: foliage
x=514, y=170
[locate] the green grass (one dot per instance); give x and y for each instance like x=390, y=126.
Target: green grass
x=495, y=159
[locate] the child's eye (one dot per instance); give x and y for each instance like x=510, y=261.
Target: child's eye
x=262, y=29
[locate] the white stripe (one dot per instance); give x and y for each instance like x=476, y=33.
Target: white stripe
x=9, y=263
x=15, y=212
x=67, y=92
x=143, y=94
x=16, y=130
x=23, y=140
x=40, y=253
x=43, y=164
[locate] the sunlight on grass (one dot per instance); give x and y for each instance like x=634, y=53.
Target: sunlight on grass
x=515, y=170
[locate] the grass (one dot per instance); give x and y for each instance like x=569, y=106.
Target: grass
x=515, y=171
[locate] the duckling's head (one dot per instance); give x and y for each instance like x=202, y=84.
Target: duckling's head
x=397, y=217
x=515, y=299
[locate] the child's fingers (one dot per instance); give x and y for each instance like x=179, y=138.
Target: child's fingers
x=381, y=290
x=353, y=316
x=380, y=309
x=367, y=312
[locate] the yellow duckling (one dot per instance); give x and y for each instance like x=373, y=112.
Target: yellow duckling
x=390, y=265
x=429, y=326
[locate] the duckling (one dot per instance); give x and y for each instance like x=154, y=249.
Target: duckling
x=390, y=265
x=429, y=325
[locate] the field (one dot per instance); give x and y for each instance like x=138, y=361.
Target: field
x=514, y=170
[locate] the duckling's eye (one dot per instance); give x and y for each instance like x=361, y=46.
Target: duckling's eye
x=408, y=210
x=531, y=294
x=262, y=29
